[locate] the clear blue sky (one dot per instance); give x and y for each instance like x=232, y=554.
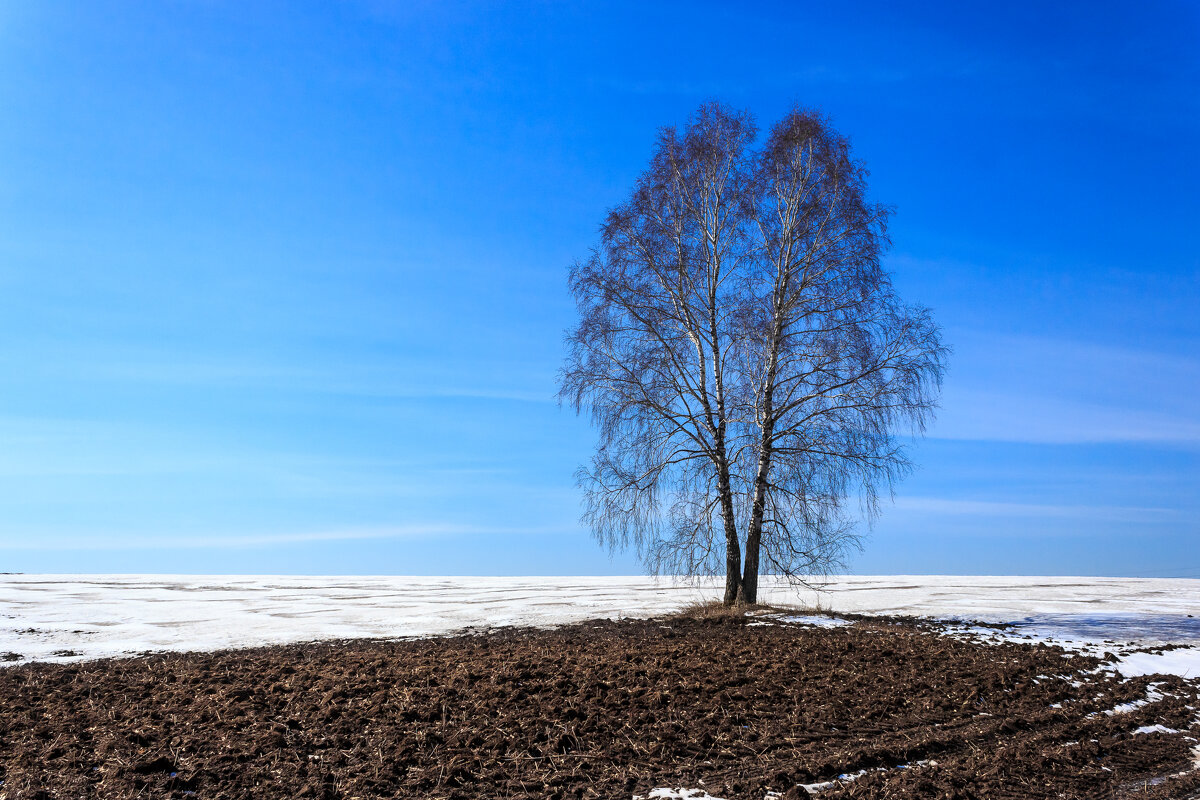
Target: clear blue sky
x=283, y=285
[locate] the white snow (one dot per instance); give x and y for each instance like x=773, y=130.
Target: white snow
x=1184, y=662
x=677, y=794
x=110, y=615
x=811, y=620
x=1122, y=609
x=810, y=788
x=813, y=788
x=1153, y=695
x=847, y=777
x=816, y=621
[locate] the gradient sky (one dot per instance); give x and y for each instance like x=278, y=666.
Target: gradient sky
x=283, y=285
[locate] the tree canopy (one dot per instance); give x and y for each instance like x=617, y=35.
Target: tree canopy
x=743, y=352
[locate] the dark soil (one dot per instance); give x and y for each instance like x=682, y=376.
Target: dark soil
x=597, y=710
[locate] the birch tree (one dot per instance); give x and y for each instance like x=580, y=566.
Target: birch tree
x=744, y=356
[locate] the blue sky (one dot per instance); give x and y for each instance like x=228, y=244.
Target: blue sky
x=283, y=286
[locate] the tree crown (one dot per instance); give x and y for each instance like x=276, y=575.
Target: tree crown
x=743, y=353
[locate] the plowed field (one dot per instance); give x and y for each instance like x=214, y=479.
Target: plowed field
x=602, y=710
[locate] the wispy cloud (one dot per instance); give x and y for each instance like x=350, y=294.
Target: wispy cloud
x=1039, y=390
x=977, y=414
x=382, y=380
x=991, y=508
x=99, y=542
x=392, y=378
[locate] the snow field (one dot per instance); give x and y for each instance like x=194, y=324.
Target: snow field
x=69, y=617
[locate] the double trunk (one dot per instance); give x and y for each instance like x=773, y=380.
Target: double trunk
x=733, y=552
x=741, y=588
x=747, y=590
x=748, y=593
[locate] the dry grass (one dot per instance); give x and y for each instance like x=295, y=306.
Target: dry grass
x=715, y=609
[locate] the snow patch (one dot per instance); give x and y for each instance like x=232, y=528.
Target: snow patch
x=817, y=621
x=813, y=788
x=1184, y=662
x=811, y=620
x=1153, y=695
x=847, y=777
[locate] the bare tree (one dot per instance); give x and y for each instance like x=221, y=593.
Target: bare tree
x=744, y=355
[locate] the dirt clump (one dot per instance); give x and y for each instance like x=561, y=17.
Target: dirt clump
x=733, y=705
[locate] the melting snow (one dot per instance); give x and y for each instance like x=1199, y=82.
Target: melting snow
x=811, y=788
x=1184, y=662
x=817, y=621
x=1153, y=695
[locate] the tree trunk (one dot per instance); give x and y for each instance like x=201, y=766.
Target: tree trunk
x=749, y=589
x=733, y=550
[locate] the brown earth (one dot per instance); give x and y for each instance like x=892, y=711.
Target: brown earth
x=597, y=710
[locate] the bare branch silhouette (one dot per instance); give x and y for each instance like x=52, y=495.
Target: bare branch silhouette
x=744, y=355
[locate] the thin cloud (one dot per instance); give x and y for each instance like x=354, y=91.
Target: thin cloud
x=1007, y=417
x=990, y=508
x=1054, y=391
x=100, y=542
x=366, y=379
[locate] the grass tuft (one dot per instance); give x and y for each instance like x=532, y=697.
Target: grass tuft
x=716, y=610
